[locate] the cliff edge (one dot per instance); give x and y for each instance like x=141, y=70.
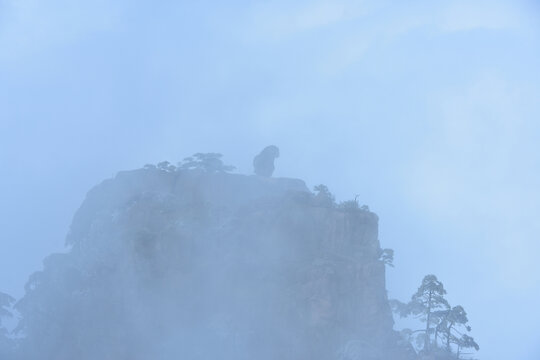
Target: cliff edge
x=192, y=264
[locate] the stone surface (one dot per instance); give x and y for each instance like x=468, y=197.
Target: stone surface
x=198, y=265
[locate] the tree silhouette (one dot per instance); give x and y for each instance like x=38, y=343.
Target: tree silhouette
x=428, y=298
x=323, y=196
x=425, y=304
x=452, y=326
x=387, y=256
x=449, y=323
x=166, y=166
x=210, y=162
x=465, y=342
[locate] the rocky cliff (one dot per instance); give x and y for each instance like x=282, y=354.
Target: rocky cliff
x=192, y=264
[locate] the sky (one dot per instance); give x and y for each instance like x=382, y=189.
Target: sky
x=428, y=111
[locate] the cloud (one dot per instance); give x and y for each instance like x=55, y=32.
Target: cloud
x=487, y=15
x=280, y=20
x=477, y=170
x=31, y=26
x=366, y=25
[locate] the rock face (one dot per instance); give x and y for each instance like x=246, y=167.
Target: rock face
x=210, y=265
x=263, y=164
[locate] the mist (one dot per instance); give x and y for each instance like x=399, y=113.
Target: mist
x=427, y=113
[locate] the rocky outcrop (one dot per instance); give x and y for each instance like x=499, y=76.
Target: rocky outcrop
x=209, y=265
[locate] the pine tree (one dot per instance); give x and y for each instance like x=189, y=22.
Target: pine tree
x=450, y=323
x=452, y=326
x=427, y=304
x=465, y=342
x=428, y=299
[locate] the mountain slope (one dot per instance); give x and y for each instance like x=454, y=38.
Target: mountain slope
x=193, y=264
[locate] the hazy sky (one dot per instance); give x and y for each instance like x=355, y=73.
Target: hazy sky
x=430, y=111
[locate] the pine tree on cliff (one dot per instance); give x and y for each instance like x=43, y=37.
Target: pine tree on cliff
x=453, y=325
x=429, y=298
x=450, y=323
x=455, y=317
x=427, y=303
x=209, y=162
x=465, y=342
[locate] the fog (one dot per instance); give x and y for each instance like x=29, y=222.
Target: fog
x=427, y=113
